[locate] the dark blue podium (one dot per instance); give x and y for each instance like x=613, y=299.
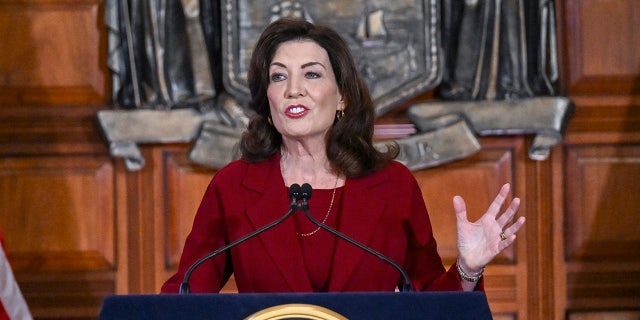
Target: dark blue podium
x=365, y=305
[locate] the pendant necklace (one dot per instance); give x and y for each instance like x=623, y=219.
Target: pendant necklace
x=333, y=196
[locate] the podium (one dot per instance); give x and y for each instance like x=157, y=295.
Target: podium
x=358, y=305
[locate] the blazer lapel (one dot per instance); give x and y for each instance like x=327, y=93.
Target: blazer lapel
x=360, y=214
x=279, y=240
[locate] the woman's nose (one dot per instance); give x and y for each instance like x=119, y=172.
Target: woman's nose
x=295, y=89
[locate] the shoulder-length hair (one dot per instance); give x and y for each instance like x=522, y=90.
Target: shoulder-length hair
x=350, y=148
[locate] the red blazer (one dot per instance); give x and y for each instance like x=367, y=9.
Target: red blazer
x=385, y=211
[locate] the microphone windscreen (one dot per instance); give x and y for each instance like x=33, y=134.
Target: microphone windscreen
x=305, y=191
x=294, y=191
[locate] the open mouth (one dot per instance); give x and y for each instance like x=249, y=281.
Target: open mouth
x=296, y=111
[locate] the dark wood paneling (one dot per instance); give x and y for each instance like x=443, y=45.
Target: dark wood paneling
x=604, y=315
x=57, y=217
x=58, y=212
x=602, y=233
x=53, y=52
x=603, y=181
x=47, y=130
x=599, y=170
x=184, y=185
x=602, y=46
x=79, y=226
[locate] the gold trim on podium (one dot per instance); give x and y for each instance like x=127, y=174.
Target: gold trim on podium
x=296, y=311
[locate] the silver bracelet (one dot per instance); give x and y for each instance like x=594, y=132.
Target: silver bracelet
x=465, y=276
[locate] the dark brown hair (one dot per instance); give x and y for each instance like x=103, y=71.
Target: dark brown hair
x=350, y=147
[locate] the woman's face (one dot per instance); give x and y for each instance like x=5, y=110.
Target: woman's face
x=303, y=93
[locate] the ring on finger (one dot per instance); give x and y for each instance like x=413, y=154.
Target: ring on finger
x=503, y=236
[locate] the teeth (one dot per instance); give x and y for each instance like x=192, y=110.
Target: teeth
x=296, y=109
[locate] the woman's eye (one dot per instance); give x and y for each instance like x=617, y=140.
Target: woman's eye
x=277, y=77
x=312, y=75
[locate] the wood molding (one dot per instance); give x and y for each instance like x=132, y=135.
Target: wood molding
x=38, y=130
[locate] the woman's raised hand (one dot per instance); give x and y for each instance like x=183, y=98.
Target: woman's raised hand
x=481, y=241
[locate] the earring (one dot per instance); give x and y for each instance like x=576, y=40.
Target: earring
x=340, y=114
x=269, y=119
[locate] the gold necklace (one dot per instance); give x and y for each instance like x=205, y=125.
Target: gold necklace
x=326, y=216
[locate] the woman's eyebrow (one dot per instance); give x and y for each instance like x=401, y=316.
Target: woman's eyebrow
x=313, y=63
x=277, y=64
x=308, y=64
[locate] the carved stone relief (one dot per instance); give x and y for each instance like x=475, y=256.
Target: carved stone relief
x=179, y=71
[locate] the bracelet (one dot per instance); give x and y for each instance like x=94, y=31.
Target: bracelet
x=465, y=276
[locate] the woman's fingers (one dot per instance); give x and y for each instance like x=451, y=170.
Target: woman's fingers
x=460, y=208
x=508, y=214
x=498, y=201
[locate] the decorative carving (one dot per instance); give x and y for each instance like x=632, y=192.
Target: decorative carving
x=397, y=47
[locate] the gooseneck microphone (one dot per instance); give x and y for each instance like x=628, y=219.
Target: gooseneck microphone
x=305, y=194
x=294, y=195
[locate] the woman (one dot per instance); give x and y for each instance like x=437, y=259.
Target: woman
x=313, y=124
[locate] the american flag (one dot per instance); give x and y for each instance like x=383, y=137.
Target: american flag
x=12, y=303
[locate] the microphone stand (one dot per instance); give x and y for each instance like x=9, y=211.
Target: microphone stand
x=293, y=207
x=306, y=195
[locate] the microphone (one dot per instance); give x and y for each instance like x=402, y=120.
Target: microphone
x=305, y=193
x=294, y=194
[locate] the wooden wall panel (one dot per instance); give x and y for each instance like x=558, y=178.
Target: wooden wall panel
x=604, y=184
x=602, y=234
x=602, y=46
x=58, y=221
x=53, y=52
x=184, y=185
x=613, y=315
x=61, y=212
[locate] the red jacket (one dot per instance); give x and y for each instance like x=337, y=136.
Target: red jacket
x=384, y=211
